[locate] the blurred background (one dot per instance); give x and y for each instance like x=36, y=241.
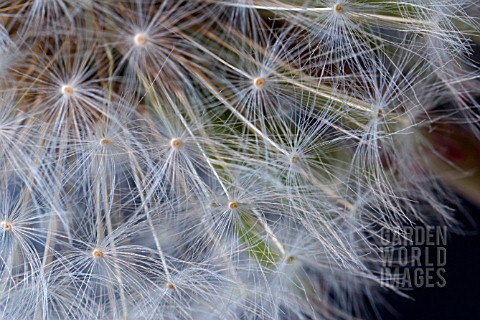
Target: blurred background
x=460, y=298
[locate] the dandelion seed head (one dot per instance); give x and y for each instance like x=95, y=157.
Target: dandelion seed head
x=218, y=169
x=97, y=253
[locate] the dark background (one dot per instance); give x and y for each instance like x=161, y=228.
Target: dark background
x=460, y=298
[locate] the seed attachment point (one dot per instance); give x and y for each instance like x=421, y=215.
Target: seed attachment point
x=170, y=286
x=176, y=143
x=97, y=253
x=67, y=90
x=289, y=259
x=338, y=8
x=5, y=225
x=105, y=141
x=232, y=205
x=140, y=39
x=259, y=83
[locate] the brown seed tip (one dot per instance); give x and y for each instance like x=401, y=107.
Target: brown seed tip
x=7, y=226
x=176, y=143
x=338, y=8
x=290, y=259
x=233, y=205
x=97, y=254
x=294, y=159
x=67, y=90
x=139, y=39
x=259, y=83
x=170, y=286
x=105, y=141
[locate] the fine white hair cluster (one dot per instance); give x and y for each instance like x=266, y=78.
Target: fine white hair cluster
x=221, y=159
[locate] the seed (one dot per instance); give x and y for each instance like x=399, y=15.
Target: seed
x=7, y=226
x=338, y=8
x=233, y=205
x=294, y=159
x=140, y=39
x=290, y=259
x=67, y=90
x=176, y=143
x=105, y=141
x=97, y=254
x=259, y=83
x=170, y=286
